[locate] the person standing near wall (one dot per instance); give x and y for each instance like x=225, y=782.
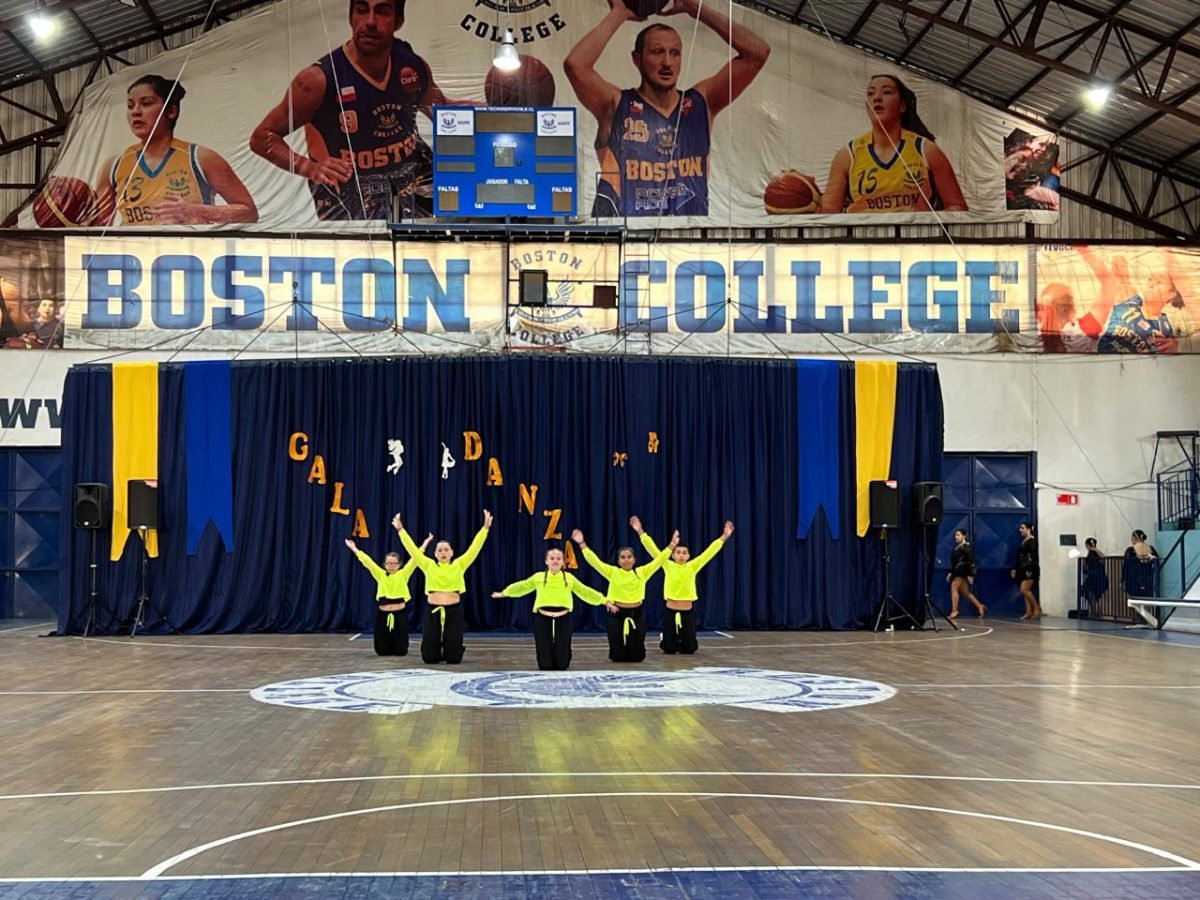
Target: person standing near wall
x=1095, y=579
x=1140, y=568
x=1027, y=570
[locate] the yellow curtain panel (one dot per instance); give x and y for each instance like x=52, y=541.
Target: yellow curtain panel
x=874, y=422
x=135, y=443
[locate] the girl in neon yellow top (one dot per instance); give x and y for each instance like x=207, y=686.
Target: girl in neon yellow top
x=444, y=586
x=626, y=591
x=552, y=605
x=391, y=598
x=679, y=588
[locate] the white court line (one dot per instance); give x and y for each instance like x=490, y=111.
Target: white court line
x=1026, y=685
x=356, y=636
x=160, y=868
x=126, y=642
x=4, y=631
x=129, y=690
x=655, y=870
x=1068, y=686
x=434, y=776
x=523, y=647
x=1122, y=637
x=723, y=634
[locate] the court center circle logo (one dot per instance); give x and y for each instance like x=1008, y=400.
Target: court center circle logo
x=412, y=690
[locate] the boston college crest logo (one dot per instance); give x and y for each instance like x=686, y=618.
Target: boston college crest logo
x=535, y=27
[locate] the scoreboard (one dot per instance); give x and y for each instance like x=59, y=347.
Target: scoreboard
x=504, y=162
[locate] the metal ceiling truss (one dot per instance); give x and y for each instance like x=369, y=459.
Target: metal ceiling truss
x=1022, y=36
x=103, y=58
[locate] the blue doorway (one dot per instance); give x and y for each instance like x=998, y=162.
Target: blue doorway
x=989, y=495
x=30, y=542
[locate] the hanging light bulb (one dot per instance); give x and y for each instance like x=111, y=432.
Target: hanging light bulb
x=507, y=59
x=42, y=25
x=1095, y=97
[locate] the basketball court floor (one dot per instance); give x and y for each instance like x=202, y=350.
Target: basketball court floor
x=1006, y=760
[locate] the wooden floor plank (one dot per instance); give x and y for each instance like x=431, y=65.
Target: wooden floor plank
x=1003, y=706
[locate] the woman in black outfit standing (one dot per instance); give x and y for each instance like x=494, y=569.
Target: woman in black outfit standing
x=1095, y=579
x=962, y=575
x=1027, y=570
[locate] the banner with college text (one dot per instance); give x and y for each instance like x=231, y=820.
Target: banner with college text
x=356, y=296
x=306, y=116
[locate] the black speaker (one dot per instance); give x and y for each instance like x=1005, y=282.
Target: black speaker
x=604, y=296
x=885, y=504
x=927, y=502
x=143, y=504
x=533, y=287
x=91, y=506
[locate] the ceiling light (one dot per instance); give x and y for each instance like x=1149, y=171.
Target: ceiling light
x=42, y=25
x=1097, y=96
x=507, y=59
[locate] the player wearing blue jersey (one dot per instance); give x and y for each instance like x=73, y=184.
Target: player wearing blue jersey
x=358, y=108
x=653, y=140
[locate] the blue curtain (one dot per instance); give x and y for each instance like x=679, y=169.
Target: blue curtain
x=727, y=449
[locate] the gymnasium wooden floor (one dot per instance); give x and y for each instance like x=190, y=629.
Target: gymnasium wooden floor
x=1012, y=760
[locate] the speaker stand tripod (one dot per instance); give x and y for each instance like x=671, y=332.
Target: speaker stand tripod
x=928, y=609
x=143, y=597
x=94, y=595
x=889, y=603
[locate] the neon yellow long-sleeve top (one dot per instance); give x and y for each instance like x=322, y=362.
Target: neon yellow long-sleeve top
x=554, y=590
x=393, y=586
x=626, y=585
x=447, y=577
x=679, y=579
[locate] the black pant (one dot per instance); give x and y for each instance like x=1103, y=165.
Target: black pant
x=629, y=647
x=679, y=632
x=552, y=638
x=442, y=638
x=391, y=639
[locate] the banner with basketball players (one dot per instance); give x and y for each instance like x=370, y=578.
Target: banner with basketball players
x=364, y=296
x=1115, y=299
x=313, y=115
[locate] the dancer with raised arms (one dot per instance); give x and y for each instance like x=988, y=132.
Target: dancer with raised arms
x=679, y=588
x=444, y=586
x=626, y=592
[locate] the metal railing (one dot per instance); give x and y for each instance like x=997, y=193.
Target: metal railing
x=1178, y=498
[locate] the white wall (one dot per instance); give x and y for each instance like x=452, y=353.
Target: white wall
x=1091, y=421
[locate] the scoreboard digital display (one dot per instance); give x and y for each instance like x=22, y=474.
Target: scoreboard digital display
x=491, y=162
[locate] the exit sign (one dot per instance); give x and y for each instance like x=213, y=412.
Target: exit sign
x=1068, y=499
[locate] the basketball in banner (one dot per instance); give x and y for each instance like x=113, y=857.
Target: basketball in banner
x=317, y=115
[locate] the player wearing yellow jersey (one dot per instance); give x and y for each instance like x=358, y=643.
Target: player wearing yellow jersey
x=896, y=166
x=164, y=181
